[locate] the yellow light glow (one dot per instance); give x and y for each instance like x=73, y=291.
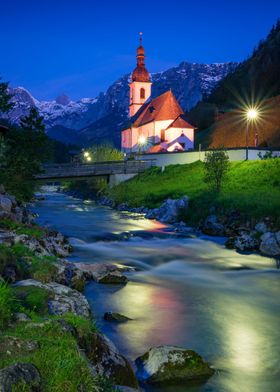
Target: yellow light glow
x=86, y=154
x=88, y=158
x=252, y=114
x=142, y=140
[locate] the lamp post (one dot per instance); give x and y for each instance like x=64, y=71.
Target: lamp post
x=251, y=115
x=141, y=142
x=87, y=156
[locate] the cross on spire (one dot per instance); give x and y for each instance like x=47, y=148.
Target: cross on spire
x=141, y=38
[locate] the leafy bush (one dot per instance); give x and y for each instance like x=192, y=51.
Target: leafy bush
x=216, y=166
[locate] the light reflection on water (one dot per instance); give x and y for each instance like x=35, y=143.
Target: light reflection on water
x=187, y=292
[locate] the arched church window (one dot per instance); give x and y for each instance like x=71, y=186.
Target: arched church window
x=142, y=93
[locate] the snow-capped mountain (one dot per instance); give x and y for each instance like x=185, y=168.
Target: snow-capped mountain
x=92, y=117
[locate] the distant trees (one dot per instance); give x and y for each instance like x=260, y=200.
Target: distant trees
x=104, y=153
x=216, y=166
x=25, y=150
x=5, y=97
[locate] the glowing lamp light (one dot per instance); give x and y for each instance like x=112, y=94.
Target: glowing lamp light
x=88, y=158
x=252, y=114
x=142, y=140
x=86, y=154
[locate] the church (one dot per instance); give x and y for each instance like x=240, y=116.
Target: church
x=155, y=125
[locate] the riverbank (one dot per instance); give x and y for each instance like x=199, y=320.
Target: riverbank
x=41, y=300
x=246, y=210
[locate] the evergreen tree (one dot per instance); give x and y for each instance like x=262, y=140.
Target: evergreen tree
x=33, y=121
x=5, y=97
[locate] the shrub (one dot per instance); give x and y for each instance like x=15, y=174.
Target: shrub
x=216, y=166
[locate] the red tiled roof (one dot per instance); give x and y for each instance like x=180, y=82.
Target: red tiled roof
x=180, y=122
x=164, y=107
x=156, y=148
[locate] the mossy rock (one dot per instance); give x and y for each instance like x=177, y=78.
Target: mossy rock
x=33, y=298
x=11, y=347
x=172, y=365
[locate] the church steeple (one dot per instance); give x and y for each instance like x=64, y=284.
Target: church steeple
x=140, y=87
x=140, y=74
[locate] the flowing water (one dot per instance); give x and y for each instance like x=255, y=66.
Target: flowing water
x=190, y=292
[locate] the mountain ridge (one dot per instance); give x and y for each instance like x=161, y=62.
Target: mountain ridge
x=89, y=117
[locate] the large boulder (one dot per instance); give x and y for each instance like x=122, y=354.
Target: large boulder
x=5, y=204
x=63, y=299
x=25, y=373
x=246, y=241
x=171, y=365
x=213, y=227
x=108, y=361
x=170, y=210
x=270, y=244
x=51, y=243
x=103, y=273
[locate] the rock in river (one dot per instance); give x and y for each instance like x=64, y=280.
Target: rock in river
x=116, y=317
x=170, y=365
x=108, y=362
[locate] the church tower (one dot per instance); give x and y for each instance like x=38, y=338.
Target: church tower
x=140, y=86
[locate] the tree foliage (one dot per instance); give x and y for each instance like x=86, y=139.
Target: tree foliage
x=5, y=97
x=24, y=151
x=216, y=166
x=254, y=79
x=105, y=153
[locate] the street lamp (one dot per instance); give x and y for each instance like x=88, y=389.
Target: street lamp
x=142, y=140
x=88, y=158
x=251, y=116
x=86, y=154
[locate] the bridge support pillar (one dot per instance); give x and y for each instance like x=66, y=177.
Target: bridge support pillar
x=115, y=179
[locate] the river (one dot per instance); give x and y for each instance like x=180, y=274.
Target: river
x=190, y=292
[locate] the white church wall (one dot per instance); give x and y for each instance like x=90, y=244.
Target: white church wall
x=174, y=133
x=135, y=96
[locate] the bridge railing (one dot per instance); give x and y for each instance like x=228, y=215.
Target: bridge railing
x=67, y=170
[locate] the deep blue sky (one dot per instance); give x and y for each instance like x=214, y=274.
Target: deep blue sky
x=79, y=47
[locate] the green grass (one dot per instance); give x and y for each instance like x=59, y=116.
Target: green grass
x=251, y=187
x=28, y=265
x=7, y=303
x=31, y=298
x=20, y=228
x=61, y=365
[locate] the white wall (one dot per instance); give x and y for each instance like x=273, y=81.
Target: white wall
x=180, y=158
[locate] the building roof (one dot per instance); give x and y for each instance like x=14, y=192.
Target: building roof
x=180, y=122
x=163, y=107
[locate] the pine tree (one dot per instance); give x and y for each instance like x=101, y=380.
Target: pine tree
x=5, y=97
x=33, y=121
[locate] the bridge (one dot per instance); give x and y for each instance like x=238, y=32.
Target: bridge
x=114, y=171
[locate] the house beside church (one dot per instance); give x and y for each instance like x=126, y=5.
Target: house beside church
x=155, y=125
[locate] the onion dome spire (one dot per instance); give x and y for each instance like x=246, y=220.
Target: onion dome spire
x=140, y=74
